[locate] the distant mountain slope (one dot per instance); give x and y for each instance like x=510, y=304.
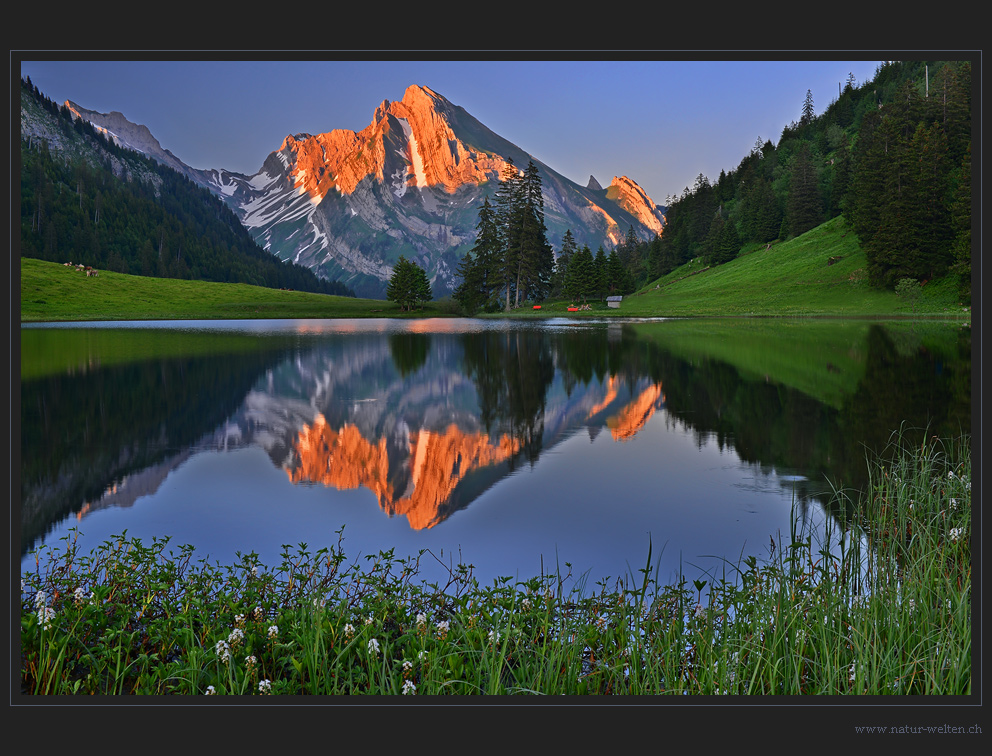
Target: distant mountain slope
x=87, y=199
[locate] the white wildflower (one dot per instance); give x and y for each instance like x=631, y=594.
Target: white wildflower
x=409, y=688
x=265, y=686
x=237, y=635
x=250, y=662
x=956, y=533
x=526, y=603
x=494, y=636
x=45, y=616
x=601, y=623
x=80, y=595
x=273, y=631
x=442, y=628
x=40, y=599
x=239, y=619
x=258, y=612
x=373, y=646
x=368, y=620
x=211, y=690
x=254, y=571
x=853, y=670
x=421, y=619
x=349, y=630
x=421, y=655
x=954, y=503
x=407, y=667
x=223, y=651
x=319, y=603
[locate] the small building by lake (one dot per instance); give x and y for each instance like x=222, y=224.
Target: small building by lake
x=614, y=301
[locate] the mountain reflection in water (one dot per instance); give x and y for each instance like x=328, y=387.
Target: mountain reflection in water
x=433, y=416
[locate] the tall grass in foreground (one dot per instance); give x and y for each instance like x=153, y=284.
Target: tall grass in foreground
x=884, y=608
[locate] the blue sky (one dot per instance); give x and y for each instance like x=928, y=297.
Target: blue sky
x=661, y=123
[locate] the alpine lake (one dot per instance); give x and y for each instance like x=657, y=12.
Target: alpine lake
x=591, y=448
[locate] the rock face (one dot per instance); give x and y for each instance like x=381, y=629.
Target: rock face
x=626, y=193
x=347, y=204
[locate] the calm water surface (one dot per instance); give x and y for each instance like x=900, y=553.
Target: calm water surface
x=512, y=447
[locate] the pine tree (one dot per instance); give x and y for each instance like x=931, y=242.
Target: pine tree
x=508, y=221
x=480, y=268
x=568, y=249
x=408, y=285
x=805, y=205
x=808, y=113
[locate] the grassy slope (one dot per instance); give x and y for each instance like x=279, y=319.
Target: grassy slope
x=789, y=278
x=52, y=292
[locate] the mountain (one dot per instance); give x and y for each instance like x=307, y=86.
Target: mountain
x=347, y=204
x=101, y=191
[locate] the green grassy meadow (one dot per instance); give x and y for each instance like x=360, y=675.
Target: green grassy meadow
x=52, y=292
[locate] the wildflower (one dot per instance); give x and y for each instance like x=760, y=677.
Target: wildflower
x=349, y=630
x=258, y=613
x=223, y=651
x=254, y=571
x=368, y=620
x=237, y=635
x=407, y=668
x=956, y=533
x=421, y=619
x=853, y=670
x=601, y=623
x=40, y=598
x=265, y=686
x=526, y=603
x=45, y=616
x=442, y=629
x=409, y=688
x=81, y=596
x=954, y=503
x=211, y=690
x=250, y=662
x=239, y=619
x=373, y=646
x=912, y=604
x=421, y=655
x=273, y=631
x=319, y=603
x=493, y=637
x=951, y=475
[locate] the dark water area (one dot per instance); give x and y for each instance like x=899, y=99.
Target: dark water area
x=514, y=447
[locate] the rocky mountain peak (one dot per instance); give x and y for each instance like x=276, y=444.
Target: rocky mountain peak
x=632, y=198
x=594, y=184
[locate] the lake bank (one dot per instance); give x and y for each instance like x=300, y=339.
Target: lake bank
x=889, y=617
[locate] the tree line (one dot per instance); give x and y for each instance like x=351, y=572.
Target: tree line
x=150, y=221
x=892, y=155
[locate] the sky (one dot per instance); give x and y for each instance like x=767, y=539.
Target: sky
x=658, y=122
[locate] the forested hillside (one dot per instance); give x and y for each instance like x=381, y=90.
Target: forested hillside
x=86, y=200
x=892, y=155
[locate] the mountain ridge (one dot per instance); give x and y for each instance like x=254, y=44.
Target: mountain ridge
x=347, y=204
